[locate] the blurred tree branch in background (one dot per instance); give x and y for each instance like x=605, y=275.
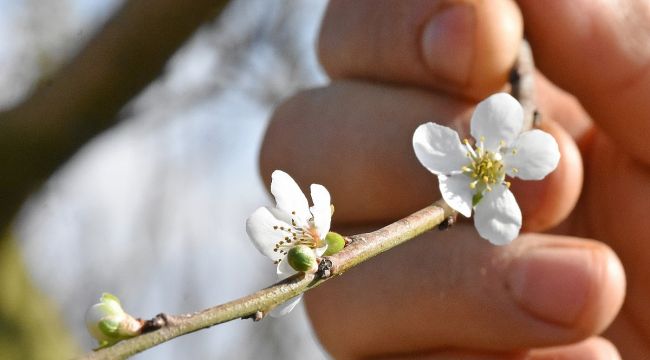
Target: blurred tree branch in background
x=85, y=96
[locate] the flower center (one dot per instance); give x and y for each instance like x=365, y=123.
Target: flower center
x=295, y=234
x=486, y=169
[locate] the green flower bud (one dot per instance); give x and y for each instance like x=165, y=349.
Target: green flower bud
x=335, y=243
x=108, y=323
x=476, y=199
x=302, y=258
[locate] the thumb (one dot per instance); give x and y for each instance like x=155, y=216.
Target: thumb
x=599, y=51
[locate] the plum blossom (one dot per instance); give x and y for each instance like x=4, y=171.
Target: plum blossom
x=472, y=177
x=291, y=227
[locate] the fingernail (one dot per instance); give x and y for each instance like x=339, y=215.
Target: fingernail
x=448, y=42
x=553, y=283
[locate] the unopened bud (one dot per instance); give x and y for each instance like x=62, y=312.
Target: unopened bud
x=108, y=323
x=335, y=243
x=302, y=258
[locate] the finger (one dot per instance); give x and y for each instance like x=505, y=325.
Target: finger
x=465, y=47
x=355, y=138
x=555, y=103
x=594, y=348
x=458, y=291
x=599, y=51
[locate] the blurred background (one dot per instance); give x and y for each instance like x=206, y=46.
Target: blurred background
x=152, y=209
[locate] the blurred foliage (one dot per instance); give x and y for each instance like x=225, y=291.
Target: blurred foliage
x=30, y=327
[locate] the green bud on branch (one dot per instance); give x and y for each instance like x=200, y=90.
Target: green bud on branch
x=302, y=258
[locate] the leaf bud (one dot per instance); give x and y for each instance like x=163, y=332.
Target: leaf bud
x=335, y=243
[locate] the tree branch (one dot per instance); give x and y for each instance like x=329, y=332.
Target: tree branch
x=361, y=248
x=84, y=97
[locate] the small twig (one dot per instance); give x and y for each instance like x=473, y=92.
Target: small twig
x=522, y=82
x=362, y=247
x=358, y=249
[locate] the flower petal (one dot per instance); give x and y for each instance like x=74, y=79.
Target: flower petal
x=289, y=197
x=498, y=118
x=284, y=270
x=497, y=216
x=439, y=149
x=322, y=209
x=456, y=192
x=259, y=227
x=285, y=307
x=537, y=154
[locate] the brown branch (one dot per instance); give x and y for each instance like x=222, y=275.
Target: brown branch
x=361, y=248
x=358, y=249
x=84, y=97
x=522, y=82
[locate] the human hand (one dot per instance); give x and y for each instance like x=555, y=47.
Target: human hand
x=443, y=296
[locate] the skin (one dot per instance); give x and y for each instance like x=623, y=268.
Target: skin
x=573, y=285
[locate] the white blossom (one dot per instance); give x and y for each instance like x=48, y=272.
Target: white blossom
x=275, y=231
x=472, y=177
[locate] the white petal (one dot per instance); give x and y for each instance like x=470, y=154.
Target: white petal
x=456, y=192
x=285, y=307
x=259, y=227
x=537, y=154
x=497, y=216
x=322, y=209
x=439, y=149
x=284, y=270
x=321, y=250
x=498, y=118
x=289, y=197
